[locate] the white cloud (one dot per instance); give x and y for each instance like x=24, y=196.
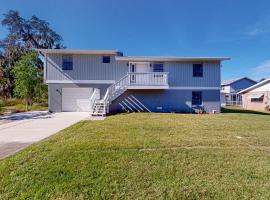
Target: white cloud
x=254, y=32
x=260, y=28
x=259, y=31
x=262, y=70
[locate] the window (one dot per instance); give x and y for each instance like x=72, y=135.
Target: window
x=158, y=67
x=197, y=98
x=197, y=70
x=106, y=59
x=67, y=62
x=258, y=99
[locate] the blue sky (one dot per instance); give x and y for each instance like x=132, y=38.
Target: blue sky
x=239, y=29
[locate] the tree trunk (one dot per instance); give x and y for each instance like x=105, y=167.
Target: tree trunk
x=26, y=103
x=30, y=103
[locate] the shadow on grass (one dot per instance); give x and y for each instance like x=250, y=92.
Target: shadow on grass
x=240, y=110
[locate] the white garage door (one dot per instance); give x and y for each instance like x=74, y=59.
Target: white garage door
x=76, y=99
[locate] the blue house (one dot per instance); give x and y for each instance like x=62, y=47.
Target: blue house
x=105, y=81
x=230, y=89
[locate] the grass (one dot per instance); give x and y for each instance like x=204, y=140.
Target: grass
x=18, y=105
x=146, y=156
x=236, y=109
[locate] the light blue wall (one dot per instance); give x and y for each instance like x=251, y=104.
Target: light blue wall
x=181, y=74
x=168, y=100
x=85, y=67
x=90, y=67
x=55, y=93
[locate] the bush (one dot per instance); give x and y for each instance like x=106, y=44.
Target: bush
x=18, y=101
x=2, y=103
x=13, y=101
x=41, y=102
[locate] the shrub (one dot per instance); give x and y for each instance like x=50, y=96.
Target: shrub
x=13, y=101
x=2, y=103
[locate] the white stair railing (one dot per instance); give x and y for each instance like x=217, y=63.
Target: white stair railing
x=93, y=99
x=115, y=90
x=131, y=79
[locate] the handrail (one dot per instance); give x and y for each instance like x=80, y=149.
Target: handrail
x=135, y=78
x=109, y=90
x=93, y=99
x=92, y=96
x=121, y=82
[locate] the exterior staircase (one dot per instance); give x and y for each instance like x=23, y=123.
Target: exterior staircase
x=100, y=107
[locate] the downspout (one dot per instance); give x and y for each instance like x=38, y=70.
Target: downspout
x=45, y=69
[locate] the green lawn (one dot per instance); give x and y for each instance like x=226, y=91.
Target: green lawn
x=147, y=156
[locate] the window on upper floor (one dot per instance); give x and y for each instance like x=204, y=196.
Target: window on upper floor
x=196, y=98
x=106, y=59
x=158, y=67
x=67, y=62
x=197, y=70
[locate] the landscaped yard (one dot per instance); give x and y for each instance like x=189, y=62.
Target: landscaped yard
x=139, y=156
x=14, y=105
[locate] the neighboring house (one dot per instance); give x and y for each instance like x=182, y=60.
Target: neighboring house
x=257, y=97
x=230, y=88
x=103, y=81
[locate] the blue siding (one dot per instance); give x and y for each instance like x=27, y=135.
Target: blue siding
x=55, y=93
x=85, y=67
x=90, y=67
x=168, y=100
x=181, y=74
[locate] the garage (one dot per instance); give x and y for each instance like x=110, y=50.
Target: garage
x=76, y=99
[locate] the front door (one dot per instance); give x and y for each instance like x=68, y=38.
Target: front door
x=132, y=69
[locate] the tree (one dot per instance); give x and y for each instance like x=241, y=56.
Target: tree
x=31, y=33
x=3, y=81
x=28, y=78
x=23, y=36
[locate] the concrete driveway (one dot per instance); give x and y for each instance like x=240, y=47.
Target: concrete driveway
x=18, y=131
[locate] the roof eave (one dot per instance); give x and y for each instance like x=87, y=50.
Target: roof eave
x=73, y=51
x=170, y=59
x=236, y=80
x=254, y=86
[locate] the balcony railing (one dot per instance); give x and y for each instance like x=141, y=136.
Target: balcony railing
x=233, y=103
x=148, y=79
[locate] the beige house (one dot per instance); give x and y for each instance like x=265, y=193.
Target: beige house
x=257, y=97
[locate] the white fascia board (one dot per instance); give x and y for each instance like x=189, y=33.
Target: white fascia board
x=147, y=87
x=254, y=86
x=72, y=51
x=193, y=88
x=82, y=81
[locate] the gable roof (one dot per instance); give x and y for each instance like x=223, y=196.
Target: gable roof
x=168, y=58
x=255, y=86
x=228, y=82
